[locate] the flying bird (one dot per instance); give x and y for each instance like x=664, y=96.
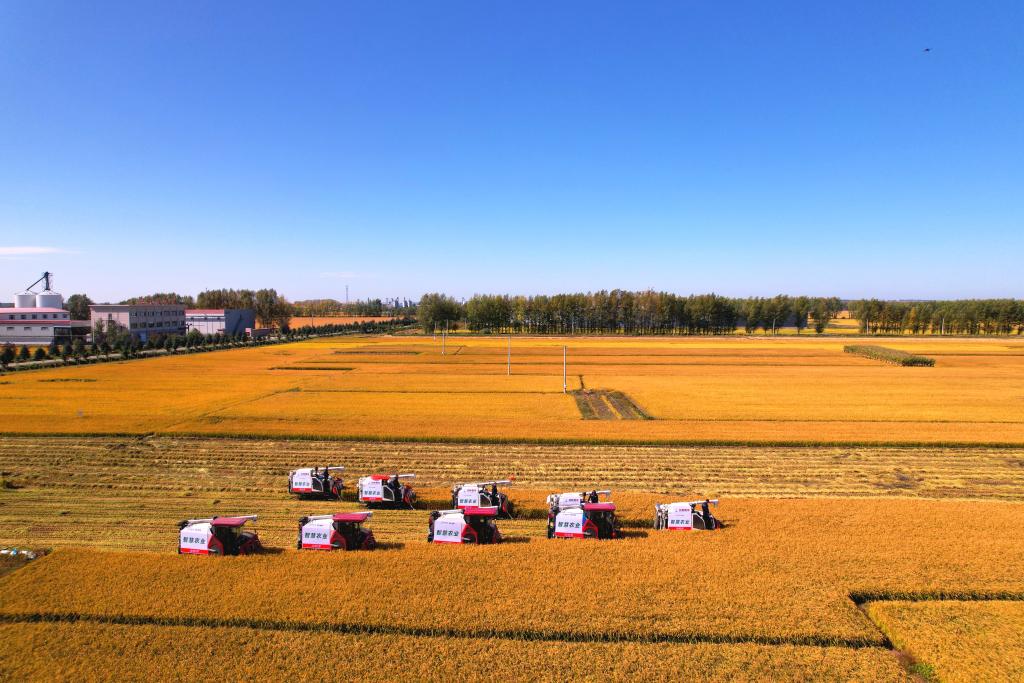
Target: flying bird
x=927, y=49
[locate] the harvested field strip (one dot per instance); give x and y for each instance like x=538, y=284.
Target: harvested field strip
x=600, y=404
x=94, y=651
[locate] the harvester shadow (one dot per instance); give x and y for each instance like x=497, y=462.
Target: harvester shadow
x=515, y=539
x=634, y=533
x=271, y=551
x=390, y=545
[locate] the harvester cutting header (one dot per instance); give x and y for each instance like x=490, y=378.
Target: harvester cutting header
x=483, y=494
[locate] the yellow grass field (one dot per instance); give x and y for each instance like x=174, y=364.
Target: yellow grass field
x=698, y=390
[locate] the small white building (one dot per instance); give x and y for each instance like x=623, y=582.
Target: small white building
x=35, y=326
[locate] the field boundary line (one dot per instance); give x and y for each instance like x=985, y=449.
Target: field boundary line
x=442, y=632
x=525, y=441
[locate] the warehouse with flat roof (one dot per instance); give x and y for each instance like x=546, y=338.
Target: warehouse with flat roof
x=143, y=321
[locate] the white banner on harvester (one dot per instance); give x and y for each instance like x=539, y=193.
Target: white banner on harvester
x=302, y=481
x=469, y=497
x=448, y=529
x=195, y=540
x=372, y=489
x=680, y=518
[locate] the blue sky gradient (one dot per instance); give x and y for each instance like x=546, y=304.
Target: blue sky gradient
x=746, y=148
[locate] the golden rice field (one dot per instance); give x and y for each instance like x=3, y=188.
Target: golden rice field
x=727, y=390
x=873, y=512
x=958, y=640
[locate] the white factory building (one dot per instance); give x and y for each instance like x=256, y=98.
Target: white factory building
x=35, y=319
x=144, y=321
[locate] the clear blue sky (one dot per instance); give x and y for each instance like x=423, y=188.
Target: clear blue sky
x=747, y=148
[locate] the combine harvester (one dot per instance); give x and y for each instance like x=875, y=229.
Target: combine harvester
x=386, y=490
x=581, y=515
x=685, y=516
x=217, y=536
x=313, y=482
x=468, y=525
x=483, y=494
x=342, y=531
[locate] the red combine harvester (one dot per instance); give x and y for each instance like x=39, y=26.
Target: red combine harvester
x=386, y=490
x=483, y=494
x=581, y=515
x=685, y=516
x=217, y=536
x=469, y=525
x=314, y=482
x=342, y=531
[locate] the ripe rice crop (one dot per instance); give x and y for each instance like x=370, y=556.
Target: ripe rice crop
x=894, y=356
x=91, y=651
x=779, y=573
x=958, y=640
x=733, y=390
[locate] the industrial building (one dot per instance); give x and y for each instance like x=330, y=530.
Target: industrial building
x=236, y=321
x=36, y=319
x=144, y=321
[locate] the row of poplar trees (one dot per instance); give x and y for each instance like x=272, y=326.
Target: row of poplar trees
x=649, y=312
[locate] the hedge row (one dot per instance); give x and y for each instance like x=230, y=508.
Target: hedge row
x=888, y=355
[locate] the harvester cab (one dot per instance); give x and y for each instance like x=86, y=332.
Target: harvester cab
x=582, y=515
x=316, y=482
x=483, y=494
x=686, y=516
x=464, y=525
x=341, y=531
x=386, y=490
x=217, y=536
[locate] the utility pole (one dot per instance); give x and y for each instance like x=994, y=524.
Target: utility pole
x=444, y=335
x=510, y=355
x=565, y=385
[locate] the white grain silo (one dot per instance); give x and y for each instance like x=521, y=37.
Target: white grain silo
x=49, y=299
x=25, y=300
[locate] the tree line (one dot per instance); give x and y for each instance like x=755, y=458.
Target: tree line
x=965, y=316
x=396, y=308
x=650, y=312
